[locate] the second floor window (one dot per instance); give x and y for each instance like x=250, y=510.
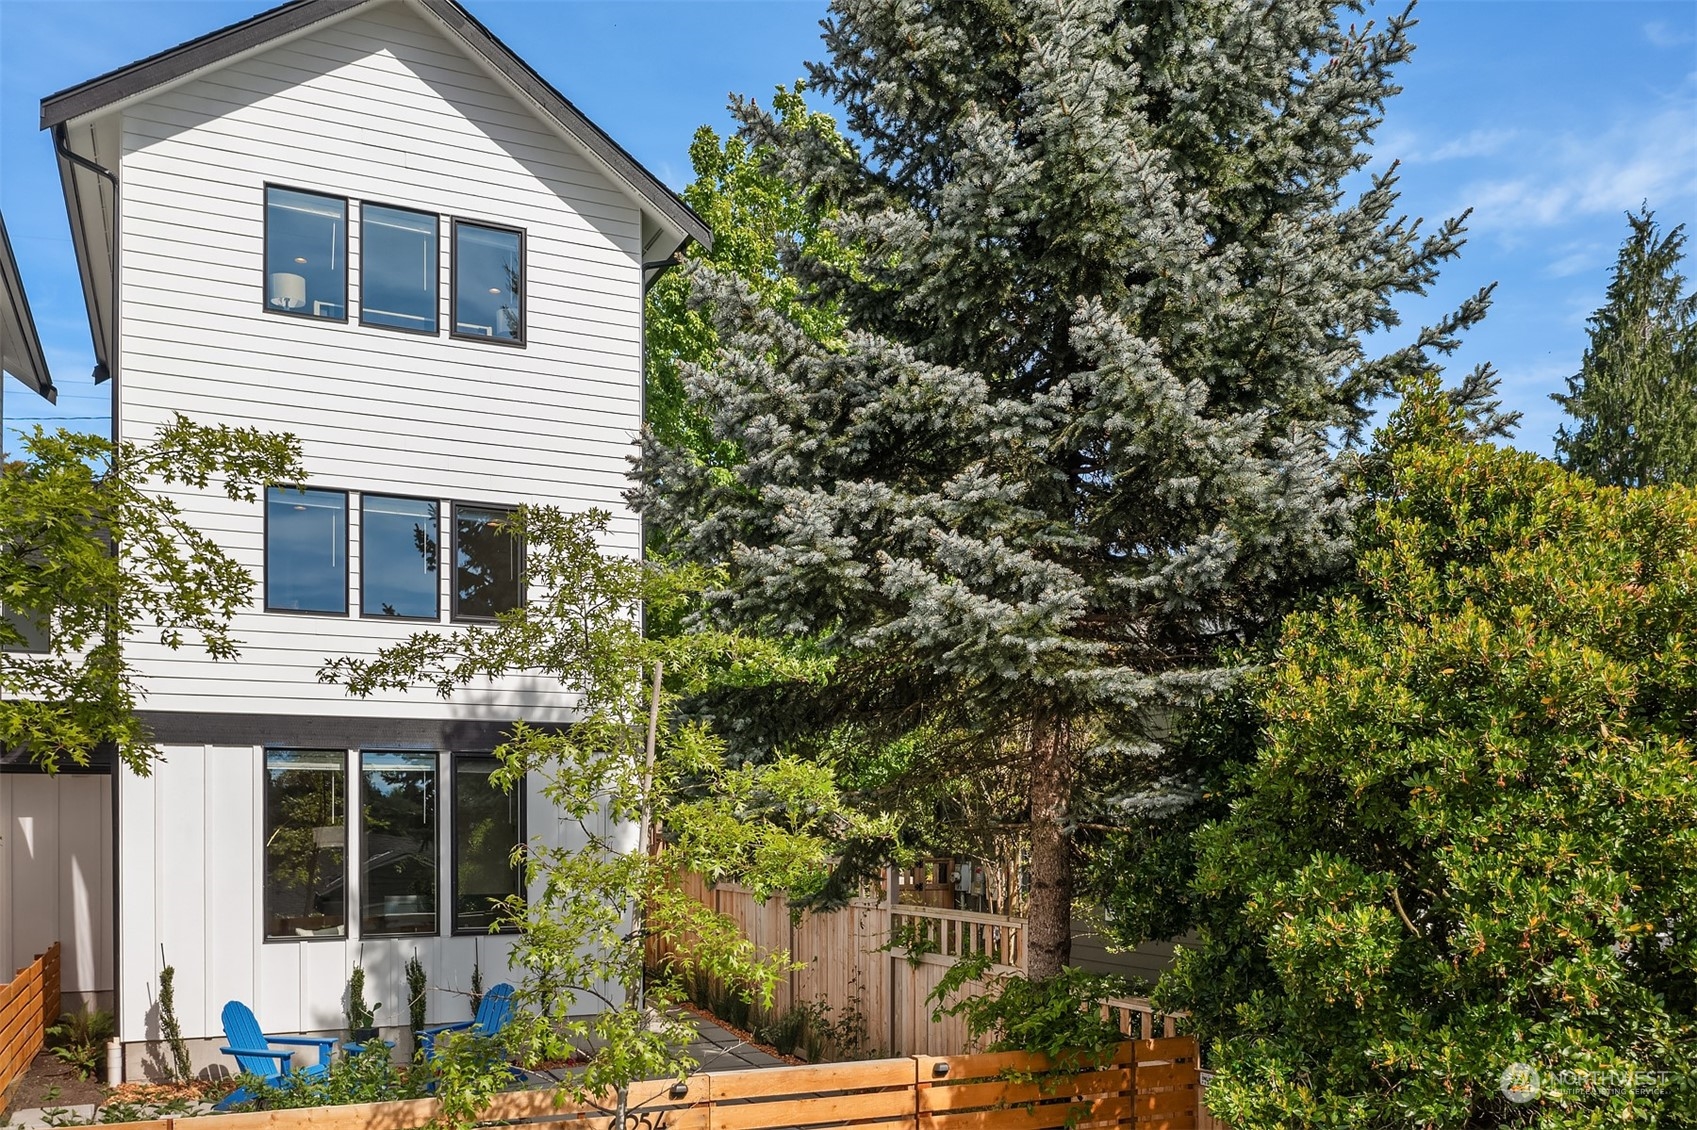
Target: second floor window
x=306, y=254
x=397, y=268
x=398, y=552
x=488, y=283
x=306, y=550
x=488, y=563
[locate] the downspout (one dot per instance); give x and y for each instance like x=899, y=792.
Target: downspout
x=103, y=371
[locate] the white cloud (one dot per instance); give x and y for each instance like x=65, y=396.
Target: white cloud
x=1473, y=143
x=1577, y=258
x=1650, y=159
x=1663, y=34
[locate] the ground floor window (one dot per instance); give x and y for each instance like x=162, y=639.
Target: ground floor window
x=398, y=839
x=397, y=842
x=488, y=825
x=305, y=843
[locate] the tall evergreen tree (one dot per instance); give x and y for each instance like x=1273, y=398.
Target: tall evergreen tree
x=1106, y=309
x=1634, y=399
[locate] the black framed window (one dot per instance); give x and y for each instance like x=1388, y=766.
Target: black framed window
x=306, y=837
x=488, y=283
x=397, y=842
x=488, y=562
x=34, y=632
x=398, y=275
x=399, y=548
x=488, y=825
x=306, y=550
x=306, y=254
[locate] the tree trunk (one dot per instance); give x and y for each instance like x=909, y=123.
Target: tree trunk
x=1048, y=939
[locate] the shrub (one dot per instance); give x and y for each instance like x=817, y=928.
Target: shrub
x=1468, y=838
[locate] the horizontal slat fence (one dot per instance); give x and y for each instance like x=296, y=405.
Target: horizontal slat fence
x=29, y=1004
x=1144, y=1085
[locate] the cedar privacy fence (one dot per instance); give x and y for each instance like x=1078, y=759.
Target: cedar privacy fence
x=848, y=964
x=1145, y=1085
x=29, y=1003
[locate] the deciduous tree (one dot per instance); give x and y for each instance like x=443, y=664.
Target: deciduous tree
x=94, y=553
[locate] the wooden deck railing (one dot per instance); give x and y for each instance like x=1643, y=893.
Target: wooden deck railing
x=29, y=1003
x=1145, y=1085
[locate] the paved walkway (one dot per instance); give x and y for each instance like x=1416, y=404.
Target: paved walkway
x=715, y=1048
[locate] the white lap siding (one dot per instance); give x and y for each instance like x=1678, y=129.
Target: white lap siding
x=376, y=107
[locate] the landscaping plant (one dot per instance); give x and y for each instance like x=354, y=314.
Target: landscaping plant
x=1456, y=881
x=78, y=1040
x=181, y=1066
x=626, y=765
x=361, y=1016
x=418, y=989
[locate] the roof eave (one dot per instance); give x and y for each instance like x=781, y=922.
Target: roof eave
x=34, y=364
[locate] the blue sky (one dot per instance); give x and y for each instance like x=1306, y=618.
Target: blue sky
x=1550, y=119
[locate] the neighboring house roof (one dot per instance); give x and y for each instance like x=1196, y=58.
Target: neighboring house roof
x=20, y=346
x=88, y=138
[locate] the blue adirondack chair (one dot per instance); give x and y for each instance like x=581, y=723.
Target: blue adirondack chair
x=493, y=1013
x=255, y=1055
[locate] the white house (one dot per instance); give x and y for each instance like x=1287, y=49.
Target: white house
x=369, y=223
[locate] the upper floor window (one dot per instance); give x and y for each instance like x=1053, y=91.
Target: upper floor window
x=488, y=291
x=306, y=254
x=397, y=560
x=306, y=550
x=397, y=268
x=488, y=563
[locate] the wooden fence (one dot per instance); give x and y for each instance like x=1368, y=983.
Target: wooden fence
x=848, y=962
x=1144, y=1085
x=28, y=1005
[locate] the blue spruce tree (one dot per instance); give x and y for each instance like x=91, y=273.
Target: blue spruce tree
x=1104, y=323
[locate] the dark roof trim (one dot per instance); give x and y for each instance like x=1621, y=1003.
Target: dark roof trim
x=210, y=49
x=12, y=290
x=186, y=58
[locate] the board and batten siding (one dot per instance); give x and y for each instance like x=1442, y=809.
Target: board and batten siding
x=192, y=839
x=375, y=107
x=56, y=879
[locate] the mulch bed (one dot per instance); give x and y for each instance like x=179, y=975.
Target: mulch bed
x=49, y=1082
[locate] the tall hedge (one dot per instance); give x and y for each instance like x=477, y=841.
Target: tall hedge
x=1468, y=838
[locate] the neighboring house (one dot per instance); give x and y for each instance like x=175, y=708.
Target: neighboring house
x=368, y=223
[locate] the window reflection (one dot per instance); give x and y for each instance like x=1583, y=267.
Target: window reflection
x=488, y=563
x=306, y=550
x=306, y=269
x=397, y=843
x=488, y=824
x=398, y=554
x=488, y=283
x=397, y=268
x=305, y=843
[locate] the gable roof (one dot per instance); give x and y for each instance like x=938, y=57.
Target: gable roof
x=20, y=346
x=216, y=47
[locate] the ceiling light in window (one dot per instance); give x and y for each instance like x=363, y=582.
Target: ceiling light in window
x=300, y=258
x=494, y=290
